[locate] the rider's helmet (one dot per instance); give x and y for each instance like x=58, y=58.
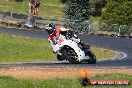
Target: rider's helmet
x=50, y=28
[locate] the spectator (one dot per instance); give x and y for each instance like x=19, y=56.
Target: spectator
x=33, y=8
x=33, y=11
x=37, y=4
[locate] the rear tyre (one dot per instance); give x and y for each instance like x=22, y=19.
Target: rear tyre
x=70, y=55
x=60, y=57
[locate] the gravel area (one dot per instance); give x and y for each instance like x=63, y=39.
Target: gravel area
x=38, y=73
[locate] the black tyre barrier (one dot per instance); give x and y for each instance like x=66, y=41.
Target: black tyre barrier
x=85, y=81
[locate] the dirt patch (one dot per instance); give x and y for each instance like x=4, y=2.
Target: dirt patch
x=47, y=73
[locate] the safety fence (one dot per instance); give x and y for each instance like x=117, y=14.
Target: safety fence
x=89, y=26
x=11, y=17
x=122, y=30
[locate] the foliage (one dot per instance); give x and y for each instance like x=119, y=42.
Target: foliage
x=122, y=29
x=118, y=12
x=98, y=6
x=77, y=11
x=63, y=1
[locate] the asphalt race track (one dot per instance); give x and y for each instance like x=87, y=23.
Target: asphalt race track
x=115, y=43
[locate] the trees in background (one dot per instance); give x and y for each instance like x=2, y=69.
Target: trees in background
x=118, y=12
x=117, y=15
x=63, y=1
x=110, y=11
x=77, y=12
x=98, y=5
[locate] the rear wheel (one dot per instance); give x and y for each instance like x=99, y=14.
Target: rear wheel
x=70, y=55
x=60, y=57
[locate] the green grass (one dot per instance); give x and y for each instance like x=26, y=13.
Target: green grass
x=47, y=7
x=24, y=49
x=9, y=82
x=17, y=49
x=102, y=53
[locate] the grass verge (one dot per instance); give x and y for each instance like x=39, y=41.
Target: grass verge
x=21, y=49
x=14, y=48
x=47, y=7
x=9, y=82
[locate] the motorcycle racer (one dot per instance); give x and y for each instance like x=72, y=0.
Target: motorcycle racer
x=68, y=46
x=54, y=32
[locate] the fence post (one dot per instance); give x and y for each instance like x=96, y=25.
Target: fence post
x=119, y=30
x=11, y=14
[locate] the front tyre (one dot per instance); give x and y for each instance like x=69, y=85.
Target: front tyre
x=92, y=59
x=70, y=55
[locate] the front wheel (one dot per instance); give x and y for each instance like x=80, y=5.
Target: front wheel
x=92, y=57
x=70, y=55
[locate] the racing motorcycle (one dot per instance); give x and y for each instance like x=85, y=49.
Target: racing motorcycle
x=68, y=49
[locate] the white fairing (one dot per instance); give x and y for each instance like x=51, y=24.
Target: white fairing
x=75, y=38
x=64, y=29
x=62, y=41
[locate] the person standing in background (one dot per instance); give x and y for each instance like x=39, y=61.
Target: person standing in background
x=31, y=9
x=37, y=4
x=33, y=12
